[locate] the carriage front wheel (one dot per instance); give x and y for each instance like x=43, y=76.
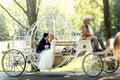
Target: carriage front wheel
x=13, y=62
x=92, y=65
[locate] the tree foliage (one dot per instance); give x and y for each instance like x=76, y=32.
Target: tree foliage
x=3, y=29
x=115, y=16
x=31, y=10
x=25, y=12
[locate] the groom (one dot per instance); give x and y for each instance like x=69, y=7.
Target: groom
x=44, y=43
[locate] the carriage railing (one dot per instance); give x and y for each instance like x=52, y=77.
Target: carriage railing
x=21, y=43
x=18, y=42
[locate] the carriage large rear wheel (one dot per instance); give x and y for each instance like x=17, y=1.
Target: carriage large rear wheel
x=92, y=65
x=13, y=62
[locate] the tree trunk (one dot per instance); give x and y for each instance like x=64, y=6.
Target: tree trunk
x=31, y=11
x=107, y=22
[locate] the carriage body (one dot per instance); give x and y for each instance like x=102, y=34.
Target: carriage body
x=23, y=50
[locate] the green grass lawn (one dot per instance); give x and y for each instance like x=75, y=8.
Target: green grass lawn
x=74, y=65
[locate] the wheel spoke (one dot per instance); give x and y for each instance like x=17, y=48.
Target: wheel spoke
x=11, y=68
x=17, y=68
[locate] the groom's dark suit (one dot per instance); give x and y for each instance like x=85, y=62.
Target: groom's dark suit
x=41, y=45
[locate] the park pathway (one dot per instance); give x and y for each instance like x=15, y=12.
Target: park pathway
x=60, y=76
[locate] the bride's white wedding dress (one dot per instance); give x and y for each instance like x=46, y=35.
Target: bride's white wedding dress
x=47, y=58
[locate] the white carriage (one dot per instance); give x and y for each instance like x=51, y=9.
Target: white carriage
x=15, y=61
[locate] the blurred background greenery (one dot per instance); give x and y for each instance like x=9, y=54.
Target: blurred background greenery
x=15, y=14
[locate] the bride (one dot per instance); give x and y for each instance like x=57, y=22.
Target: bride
x=47, y=56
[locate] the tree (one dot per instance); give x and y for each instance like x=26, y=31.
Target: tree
x=107, y=22
x=31, y=11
